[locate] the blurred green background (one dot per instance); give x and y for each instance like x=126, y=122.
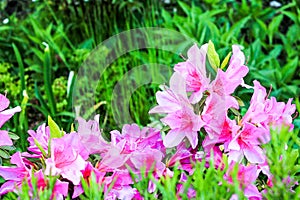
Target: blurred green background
x=268, y=31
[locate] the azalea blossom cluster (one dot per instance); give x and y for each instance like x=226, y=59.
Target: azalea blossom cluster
x=197, y=110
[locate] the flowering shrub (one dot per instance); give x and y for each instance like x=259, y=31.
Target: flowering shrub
x=203, y=126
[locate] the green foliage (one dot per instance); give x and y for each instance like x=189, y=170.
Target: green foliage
x=9, y=81
x=283, y=158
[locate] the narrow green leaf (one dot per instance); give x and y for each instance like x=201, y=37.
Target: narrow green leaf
x=55, y=132
x=239, y=100
x=273, y=27
x=235, y=29
x=47, y=80
x=23, y=117
x=185, y=8
x=213, y=56
x=39, y=96
x=288, y=71
x=225, y=61
x=235, y=111
x=21, y=67
x=8, y=148
x=40, y=147
x=13, y=136
x=4, y=154
x=5, y=28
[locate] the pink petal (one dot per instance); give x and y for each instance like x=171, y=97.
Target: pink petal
x=78, y=190
x=61, y=187
x=251, y=192
x=5, y=139
x=198, y=57
x=7, y=114
x=178, y=85
x=8, y=186
x=193, y=138
x=238, y=56
x=72, y=172
x=4, y=118
x=12, y=173
x=114, y=159
x=235, y=156
x=254, y=155
x=11, y=111
x=4, y=102
x=17, y=159
x=173, y=138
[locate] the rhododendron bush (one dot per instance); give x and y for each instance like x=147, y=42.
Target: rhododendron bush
x=202, y=127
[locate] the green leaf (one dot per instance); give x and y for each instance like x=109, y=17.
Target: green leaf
x=55, y=132
x=166, y=16
x=213, y=56
x=236, y=28
x=185, y=8
x=40, y=147
x=225, y=61
x=239, y=100
x=13, y=136
x=21, y=67
x=4, y=154
x=4, y=28
x=273, y=27
x=47, y=81
x=288, y=71
x=8, y=148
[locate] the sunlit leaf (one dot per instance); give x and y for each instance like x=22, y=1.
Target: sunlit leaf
x=213, y=56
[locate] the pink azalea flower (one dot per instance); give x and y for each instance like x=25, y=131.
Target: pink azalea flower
x=42, y=136
x=234, y=74
x=172, y=99
x=5, y=115
x=228, y=131
x=137, y=139
x=149, y=159
x=246, y=177
x=183, y=123
x=194, y=72
x=279, y=113
x=268, y=112
x=15, y=175
x=90, y=135
x=181, y=117
x=214, y=115
x=67, y=158
x=246, y=143
x=256, y=111
x=135, y=147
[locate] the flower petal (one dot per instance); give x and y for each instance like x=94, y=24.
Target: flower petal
x=173, y=138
